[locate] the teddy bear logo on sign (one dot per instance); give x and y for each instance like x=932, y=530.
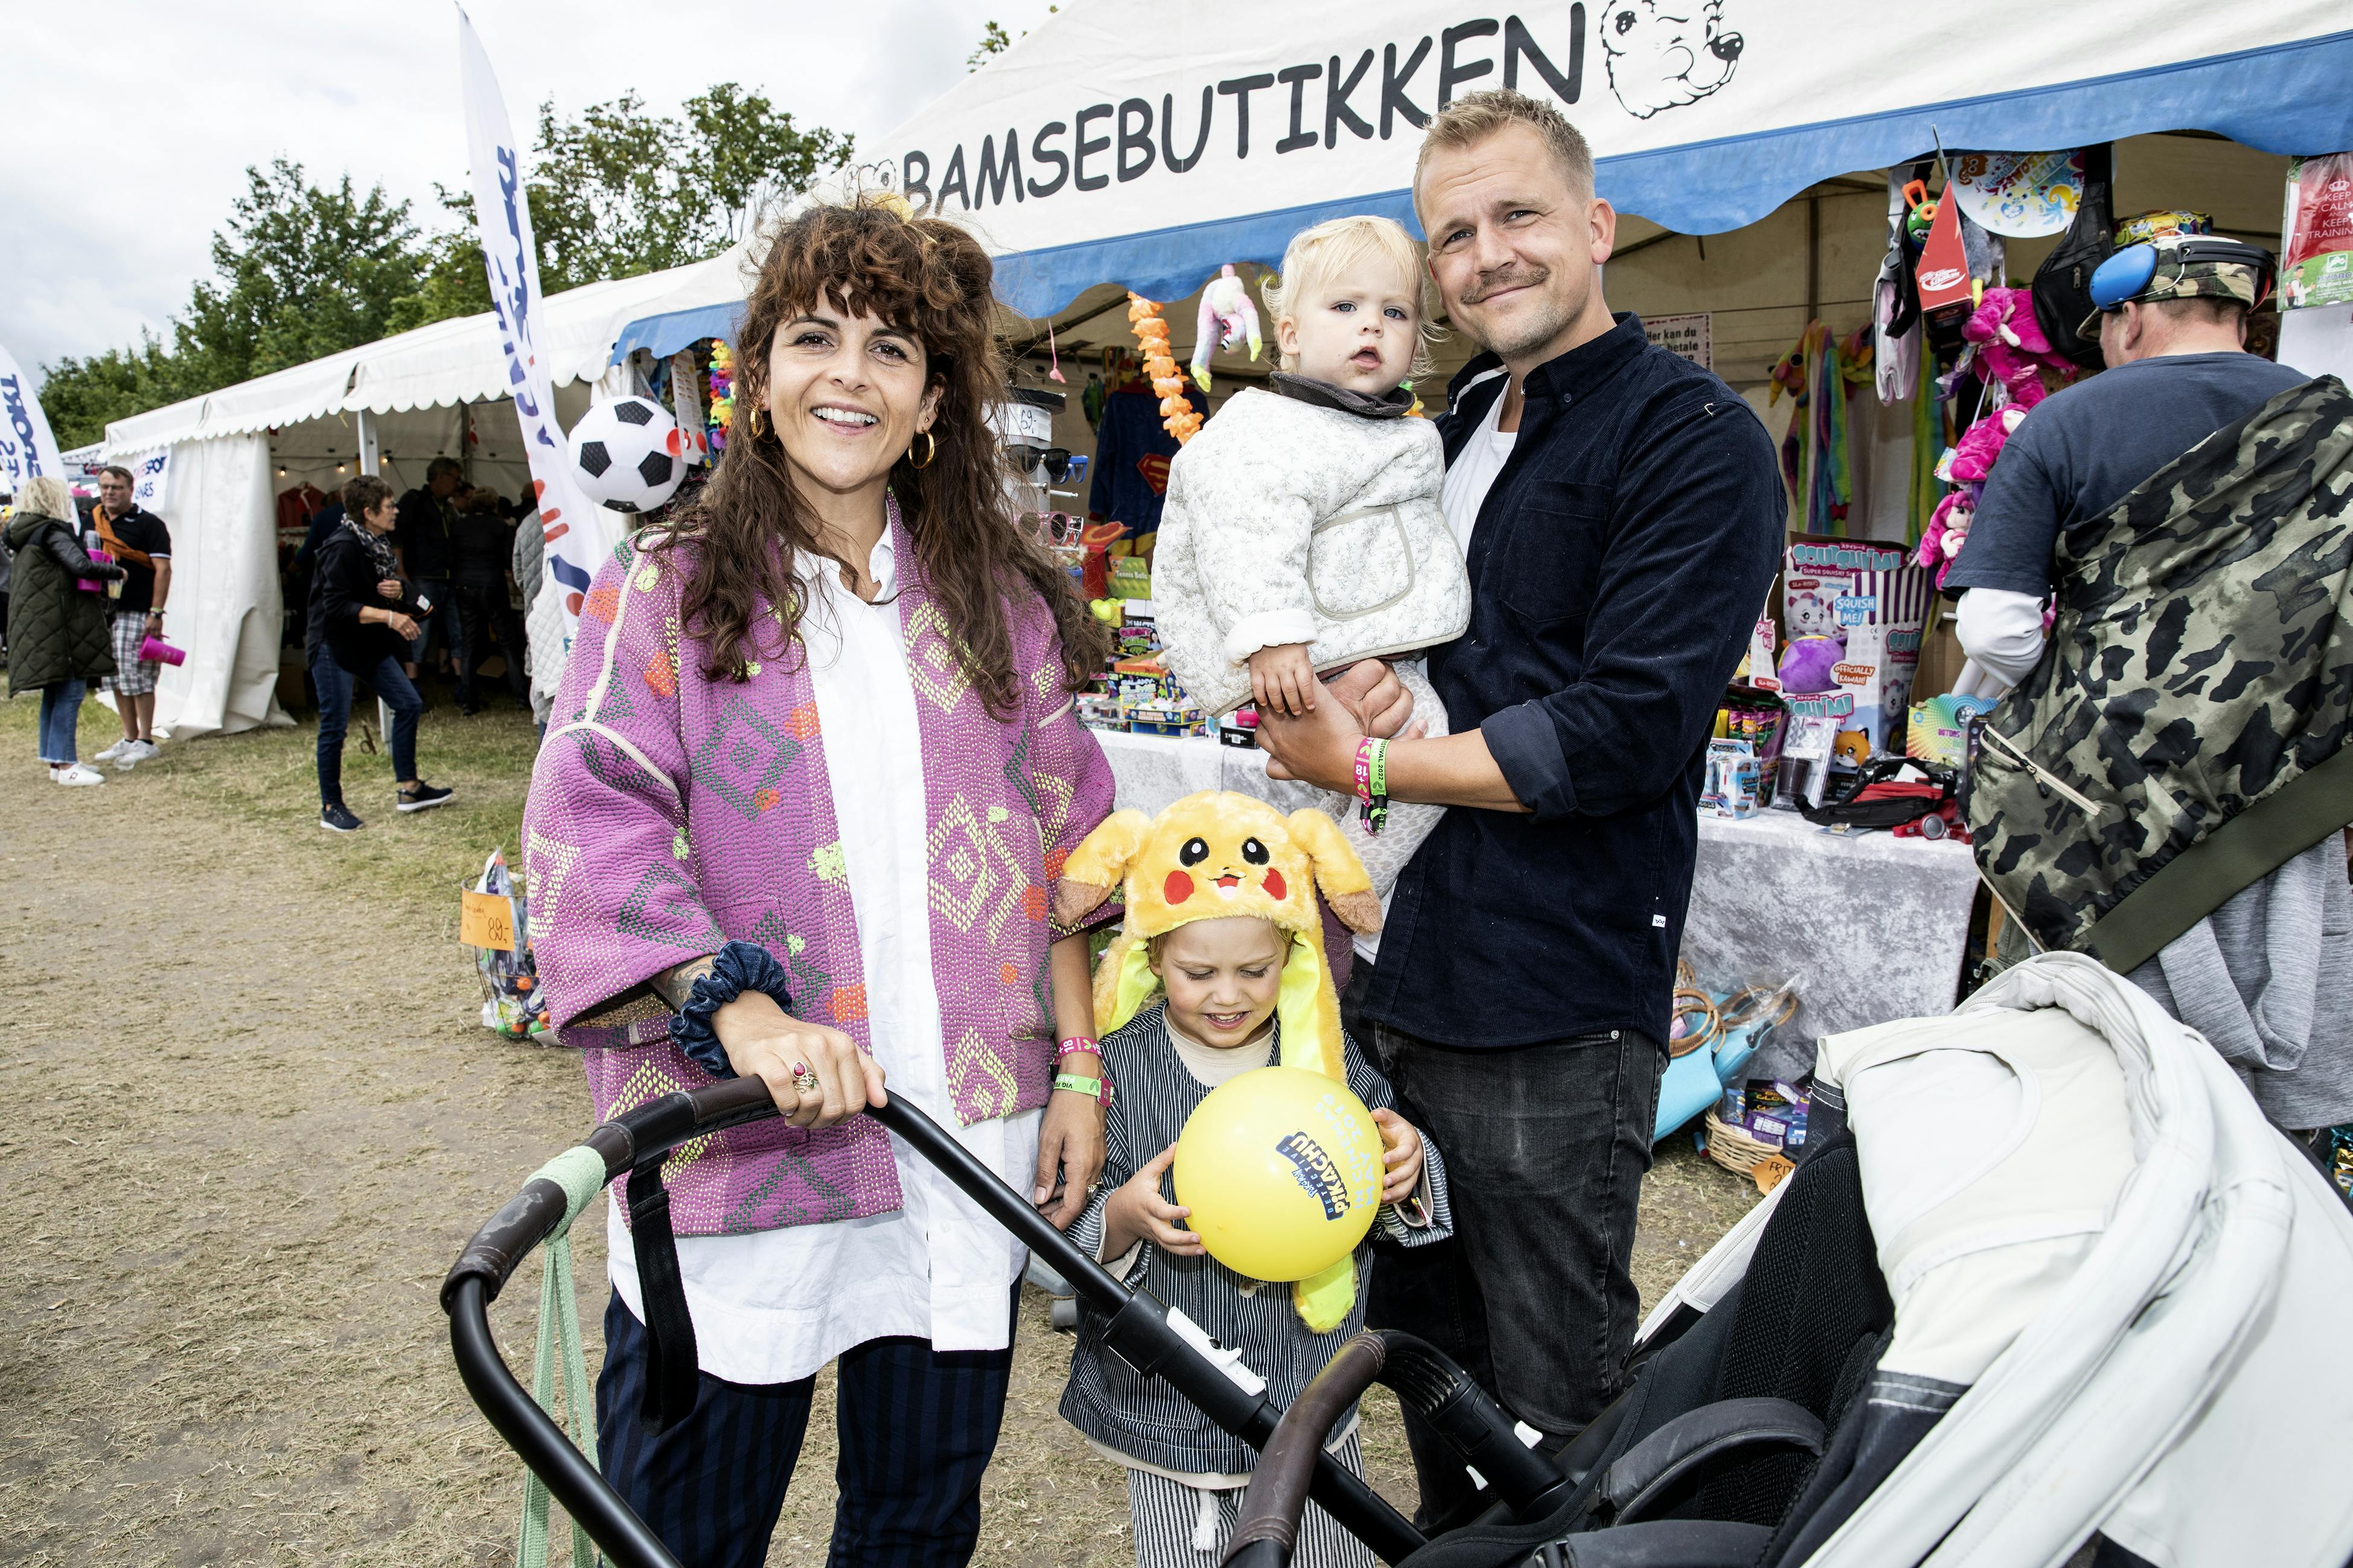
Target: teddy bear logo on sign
x=1663, y=54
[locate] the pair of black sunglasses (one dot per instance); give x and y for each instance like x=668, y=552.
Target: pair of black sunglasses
x=1056, y=460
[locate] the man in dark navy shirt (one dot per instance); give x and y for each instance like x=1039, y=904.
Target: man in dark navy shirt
x=1623, y=511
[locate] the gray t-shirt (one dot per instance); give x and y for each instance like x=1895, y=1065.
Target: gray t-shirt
x=2085, y=449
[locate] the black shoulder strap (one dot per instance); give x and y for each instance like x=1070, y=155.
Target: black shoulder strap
x=672, y=1372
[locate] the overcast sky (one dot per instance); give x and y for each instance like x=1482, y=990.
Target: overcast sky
x=130, y=124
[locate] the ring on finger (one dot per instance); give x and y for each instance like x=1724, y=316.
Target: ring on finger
x=804, y=1080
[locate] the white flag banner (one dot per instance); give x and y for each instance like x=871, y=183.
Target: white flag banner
x=26, y=447
x=577, y=528
x=151, y=479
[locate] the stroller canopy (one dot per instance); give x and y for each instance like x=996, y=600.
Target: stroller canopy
x=2119, y=1295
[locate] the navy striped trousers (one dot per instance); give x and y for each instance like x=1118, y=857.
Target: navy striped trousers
x=917, y=1428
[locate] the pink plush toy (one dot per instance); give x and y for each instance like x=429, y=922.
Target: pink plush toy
x=2012, y=344
x=1227, y=317
x=1971, y=459
x=1948, y=529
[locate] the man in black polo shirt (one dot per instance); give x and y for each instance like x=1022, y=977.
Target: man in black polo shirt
x=423, y=536
x=1622, y=512
x=143, y=545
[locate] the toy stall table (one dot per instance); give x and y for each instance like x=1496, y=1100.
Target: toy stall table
x=1877, y=927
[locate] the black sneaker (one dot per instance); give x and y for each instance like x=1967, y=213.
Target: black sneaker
x=424, y=798
x=338, y=818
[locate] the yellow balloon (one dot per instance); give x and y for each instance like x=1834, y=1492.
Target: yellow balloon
x=1281, y=1168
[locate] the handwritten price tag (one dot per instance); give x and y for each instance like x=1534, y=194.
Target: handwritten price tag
x=486, y=919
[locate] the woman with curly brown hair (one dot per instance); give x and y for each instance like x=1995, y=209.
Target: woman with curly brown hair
x=810, y=776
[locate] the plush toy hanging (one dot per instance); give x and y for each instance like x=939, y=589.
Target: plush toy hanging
x=1177, y=415
x=1227, y=318
x=1212, y=855
x=2010, y=344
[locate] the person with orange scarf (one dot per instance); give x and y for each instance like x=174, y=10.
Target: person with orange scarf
x=142, y=545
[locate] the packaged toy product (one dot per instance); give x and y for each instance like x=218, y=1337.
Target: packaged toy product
x=1814, y=726
x=1736, y=780
x=1939, y=731
x=1839, y=588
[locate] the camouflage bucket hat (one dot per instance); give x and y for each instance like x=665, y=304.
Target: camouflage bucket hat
x=2178, y=270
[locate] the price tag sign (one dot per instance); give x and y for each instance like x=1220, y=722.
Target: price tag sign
x=486, y=919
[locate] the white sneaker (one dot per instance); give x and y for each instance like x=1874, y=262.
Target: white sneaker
x=133, y=753
x=77, y=775
x=113, y=750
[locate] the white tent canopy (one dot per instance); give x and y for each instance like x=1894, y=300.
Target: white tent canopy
x=1145, y=145
x=422, y=392
x=448, y=362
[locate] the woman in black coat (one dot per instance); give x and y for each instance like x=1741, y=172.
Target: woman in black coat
x=362, y=617
x=58, y=640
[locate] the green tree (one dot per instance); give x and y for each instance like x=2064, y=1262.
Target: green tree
x=619, y=191
x=81, y=396
x=995, y=40
x=304, y=271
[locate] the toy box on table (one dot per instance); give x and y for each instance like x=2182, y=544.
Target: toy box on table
x=1873, y=600
x=1743, y=757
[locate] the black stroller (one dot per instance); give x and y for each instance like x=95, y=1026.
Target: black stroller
x=1765, y=1420
x=1731, y=1423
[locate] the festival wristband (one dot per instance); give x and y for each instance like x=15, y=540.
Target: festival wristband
x=1373, y=782
x=1094, y=1088
x=1077, y=1045
x=738, y=967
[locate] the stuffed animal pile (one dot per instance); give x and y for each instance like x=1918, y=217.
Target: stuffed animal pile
x=2004, y=337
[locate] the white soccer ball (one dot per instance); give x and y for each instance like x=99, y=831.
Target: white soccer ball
x=629, y=453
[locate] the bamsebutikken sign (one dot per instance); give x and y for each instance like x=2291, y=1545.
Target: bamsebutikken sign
x=1652, y=57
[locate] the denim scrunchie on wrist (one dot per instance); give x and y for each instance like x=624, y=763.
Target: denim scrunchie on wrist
x=739, y=966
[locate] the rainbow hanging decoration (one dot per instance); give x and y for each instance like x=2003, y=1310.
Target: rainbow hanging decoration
x=1176, y=415
x=722, y=395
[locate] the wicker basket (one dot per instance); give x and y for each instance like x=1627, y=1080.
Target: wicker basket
x=1736, y=1149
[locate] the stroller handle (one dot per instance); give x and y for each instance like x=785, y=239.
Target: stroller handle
x=1525, y=1484
x=1140, y=1330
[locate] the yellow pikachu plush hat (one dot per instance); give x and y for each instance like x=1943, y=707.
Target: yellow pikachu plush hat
x=1215, y=855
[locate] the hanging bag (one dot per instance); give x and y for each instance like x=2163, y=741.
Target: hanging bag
x=2062, y=284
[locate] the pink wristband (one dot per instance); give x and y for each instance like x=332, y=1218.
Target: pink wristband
x=1365, y=769
x=1075, y=1043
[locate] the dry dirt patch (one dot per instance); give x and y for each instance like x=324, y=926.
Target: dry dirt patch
x=255, y=1118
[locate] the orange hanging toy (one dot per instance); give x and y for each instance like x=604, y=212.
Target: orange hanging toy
x=1178, y=414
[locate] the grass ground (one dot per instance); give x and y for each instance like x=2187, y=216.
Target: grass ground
x=256, y=1118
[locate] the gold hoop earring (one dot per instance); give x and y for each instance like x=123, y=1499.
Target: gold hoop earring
x=930, y=450
x=755, y=420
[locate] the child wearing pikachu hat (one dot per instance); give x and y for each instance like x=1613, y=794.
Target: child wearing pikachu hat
x=1220, y=970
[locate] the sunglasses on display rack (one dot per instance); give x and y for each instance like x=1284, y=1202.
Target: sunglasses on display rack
x=1058, y=462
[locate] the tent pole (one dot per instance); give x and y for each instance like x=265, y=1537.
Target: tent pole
x=367, y=442
x=1813, y=259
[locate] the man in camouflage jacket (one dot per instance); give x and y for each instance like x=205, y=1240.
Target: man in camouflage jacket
x=2165, y=788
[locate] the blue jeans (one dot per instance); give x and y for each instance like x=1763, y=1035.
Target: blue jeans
x=1546, y=1146
x=60, y=712
x=334, y=683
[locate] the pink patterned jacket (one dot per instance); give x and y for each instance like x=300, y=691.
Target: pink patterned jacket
x=669, y=814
